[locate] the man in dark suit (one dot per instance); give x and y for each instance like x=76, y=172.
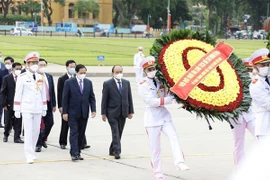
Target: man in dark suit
x=78, y=95
x=70, y=66
x=6, y=69
x=7, y=97
x=51, y=105
x=2, y=67
x=116, y=105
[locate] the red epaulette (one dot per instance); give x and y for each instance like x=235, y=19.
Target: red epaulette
x=143, y=82
x=254, y=81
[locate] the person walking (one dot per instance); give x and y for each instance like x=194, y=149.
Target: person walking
x=158, y=119
x=116, y=106
x=30, y=101
x=78, y=96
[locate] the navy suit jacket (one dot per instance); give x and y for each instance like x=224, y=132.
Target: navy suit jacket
x=75, y=103
x=3, y=73
x=60, y=88
x=7, y=92
x=113, y=104
x=51, y=89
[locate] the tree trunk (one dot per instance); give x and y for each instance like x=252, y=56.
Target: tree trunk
x=119, y=13
x=5, y=6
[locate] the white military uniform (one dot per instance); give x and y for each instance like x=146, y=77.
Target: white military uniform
x=137, y=65
x=245, y=121
x=158, y=119
x=260, y=93
x=30, y=101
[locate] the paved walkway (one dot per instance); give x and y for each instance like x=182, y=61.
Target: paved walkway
x=207, y=153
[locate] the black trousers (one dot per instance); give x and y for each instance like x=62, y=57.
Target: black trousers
x=64, y=134
x=48, y=122
x=77, y=134
x=11, y=120
x=117, y=126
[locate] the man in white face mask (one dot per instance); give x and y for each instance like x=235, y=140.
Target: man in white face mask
x=78, y=98
x=7, y=98
x=116, y=106
x=8, y=61
x=51, y=104
x=260, y=92
x=30, y=102
x=158, y=119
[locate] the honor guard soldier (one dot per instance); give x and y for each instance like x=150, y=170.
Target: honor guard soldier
x=260, y=92
x=30, y=102
x=245, y=121
x=137, y=65
x=157, y=118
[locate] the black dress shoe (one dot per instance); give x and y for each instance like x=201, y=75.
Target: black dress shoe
x=5, y=139
x=62, y=146
x=80, y=158
x=38, y=149
x=74, y=158
x=18, y=141
x=117, y=156
x=44, y=144
x=85, y=147
x=1, y=126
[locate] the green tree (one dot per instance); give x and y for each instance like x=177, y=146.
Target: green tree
x=48, y=10
x=5, y=6
x=30, y=6
x=84, y=7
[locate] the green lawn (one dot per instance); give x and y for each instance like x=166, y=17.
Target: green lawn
x=85, y=50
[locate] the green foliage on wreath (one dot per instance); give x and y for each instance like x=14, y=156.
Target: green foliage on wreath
x=237, y=63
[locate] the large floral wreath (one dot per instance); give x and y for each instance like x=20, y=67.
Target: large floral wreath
x=223, y=93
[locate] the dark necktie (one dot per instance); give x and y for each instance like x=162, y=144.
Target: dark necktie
x=120, y=87
x=266, y=79
x=155, y=82
x=81, y=88
x=34, y=76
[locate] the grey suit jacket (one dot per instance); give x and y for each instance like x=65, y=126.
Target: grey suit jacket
x=114, y=104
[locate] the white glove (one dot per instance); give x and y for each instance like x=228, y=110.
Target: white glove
x=44, y=113
x=17, y=114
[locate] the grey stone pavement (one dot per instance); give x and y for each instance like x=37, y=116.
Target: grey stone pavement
x=207, y=153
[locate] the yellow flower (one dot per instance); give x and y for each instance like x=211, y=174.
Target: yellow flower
x=173, y=58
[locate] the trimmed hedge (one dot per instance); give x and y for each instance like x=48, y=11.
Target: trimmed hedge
x=11, y=19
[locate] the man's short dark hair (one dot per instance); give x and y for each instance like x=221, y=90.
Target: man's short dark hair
x=114, y=68
x=16, y=64
x=69, y=62
x=41, y=59
x=79, y=66
x=9, y=58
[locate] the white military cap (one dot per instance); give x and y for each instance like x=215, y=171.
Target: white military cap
x=260, y=56
x=246, y=62
x=148, y=62
x=32, y=56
